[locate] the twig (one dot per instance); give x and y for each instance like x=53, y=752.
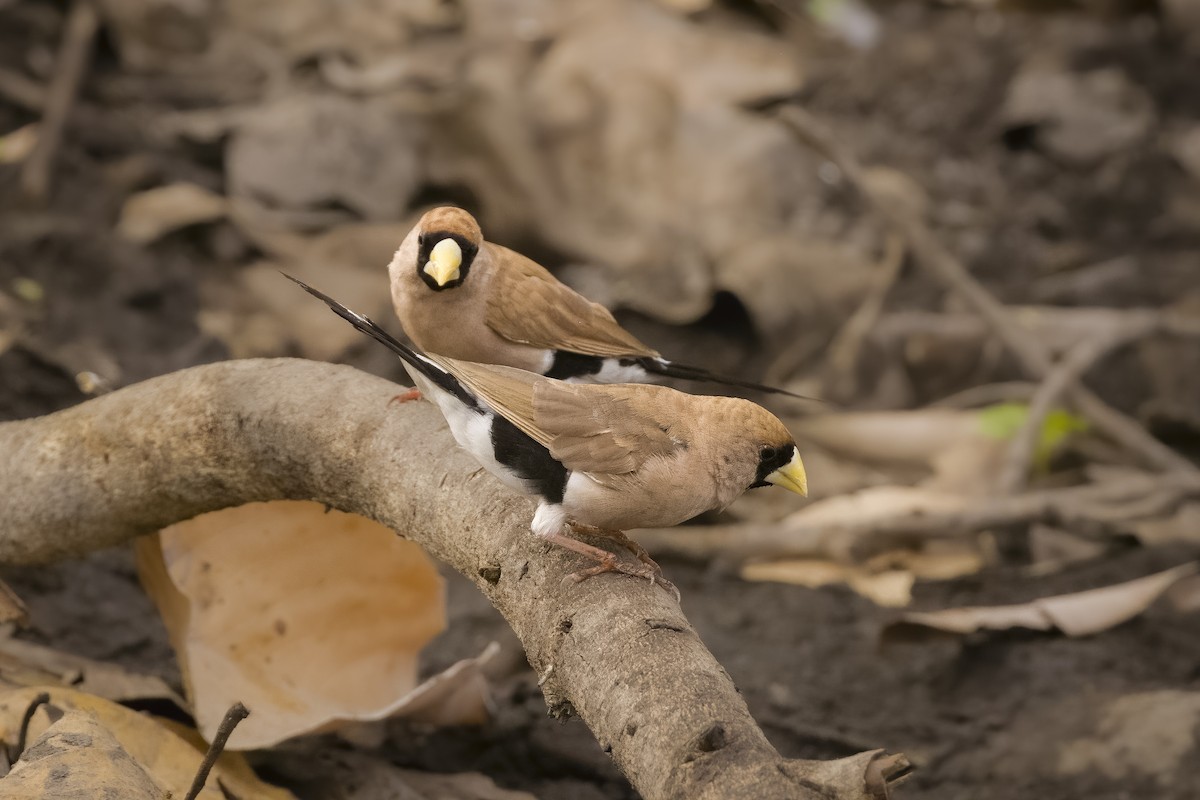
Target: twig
x=926, y=515
x=986, y=394
x=254, y=430
x=842, y=380
x=73, y=54
x=1033, y=357
x=21, y=91
x=1015, y=470
x=23, y=732
x=236, y=713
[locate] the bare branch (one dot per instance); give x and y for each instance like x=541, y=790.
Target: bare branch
x=929, y=515
x=1034, y=359
x=616, y=650
x=1067, y=372
x=73, y=54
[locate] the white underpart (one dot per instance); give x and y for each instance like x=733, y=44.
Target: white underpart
x=549, y=519
x=546, y=363
x=612, y=371
x=472, y=430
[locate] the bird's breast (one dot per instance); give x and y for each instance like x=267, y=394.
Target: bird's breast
x=649, y=501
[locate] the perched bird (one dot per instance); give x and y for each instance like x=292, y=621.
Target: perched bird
x=601, y=458
x=462, y=297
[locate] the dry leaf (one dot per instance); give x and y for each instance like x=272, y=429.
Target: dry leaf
x=258, y=312
x=1077, y=614
x=876, y=505
x=24, y=663
x=322, y=151
x=458, y=696
x=170, y=760
x=1052, y=548
x=148, y=216
x=886, y=580
x=307, y=617
x=77, y=757
x=1079, y=117
x=16, y=146
x=1181, y=526
x=12, y=609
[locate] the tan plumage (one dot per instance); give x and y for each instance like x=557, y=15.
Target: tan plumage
x=654, y=456
x=530, y=306
x=461, y=296
x=604, y=457
x=510, y=311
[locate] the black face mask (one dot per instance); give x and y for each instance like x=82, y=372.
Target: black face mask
x=769, y=460
x=425, y=244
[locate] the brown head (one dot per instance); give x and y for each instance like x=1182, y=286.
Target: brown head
x=758, y=448
x=448, y=239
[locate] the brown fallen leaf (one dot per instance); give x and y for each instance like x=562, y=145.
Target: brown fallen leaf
x=148, y=216
x=25, y=663
x=170, y=760
x=255, y=313
x=1051, y=549
x=1076, y=614
x=1183, y=525
x=15, y=146
x=886, y=579
x=12, y=609
x=78, y=757
x=310, y=618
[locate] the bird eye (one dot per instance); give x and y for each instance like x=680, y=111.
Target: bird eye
x=767, y=453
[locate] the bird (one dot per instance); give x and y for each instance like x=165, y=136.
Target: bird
x=466, y=298
x=600, y=459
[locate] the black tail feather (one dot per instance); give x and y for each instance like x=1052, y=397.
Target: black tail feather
x=431, y=371
x=669, y=369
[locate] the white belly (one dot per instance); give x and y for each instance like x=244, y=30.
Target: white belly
x=472, y=431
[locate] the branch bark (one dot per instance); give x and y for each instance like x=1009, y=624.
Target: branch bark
x=615, y=650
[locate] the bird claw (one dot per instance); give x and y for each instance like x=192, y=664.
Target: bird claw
x=611, y=564
x=406, y=397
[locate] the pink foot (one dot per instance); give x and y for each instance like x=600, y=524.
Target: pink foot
x=406, y=397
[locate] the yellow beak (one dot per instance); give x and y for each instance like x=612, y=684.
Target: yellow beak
x=791, y=476
x=444, y=261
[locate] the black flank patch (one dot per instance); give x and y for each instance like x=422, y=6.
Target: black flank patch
x=573, y=365
x=769, y=463
x=528, y=459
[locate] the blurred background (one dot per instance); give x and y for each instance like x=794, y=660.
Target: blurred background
x=161, y=160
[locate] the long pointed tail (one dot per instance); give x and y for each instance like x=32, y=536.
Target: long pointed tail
x=422, y=365
x=669, y=369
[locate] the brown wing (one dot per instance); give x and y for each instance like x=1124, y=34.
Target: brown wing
x=604, y=430
x=506, y=389
x=530, y=306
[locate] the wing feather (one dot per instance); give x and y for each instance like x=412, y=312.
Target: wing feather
x=603, y=430
x=530, y=306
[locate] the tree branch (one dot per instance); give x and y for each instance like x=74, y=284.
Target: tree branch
x=616, y=650
x=1033, y=357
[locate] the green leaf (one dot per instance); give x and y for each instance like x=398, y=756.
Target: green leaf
x=1003, y=420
